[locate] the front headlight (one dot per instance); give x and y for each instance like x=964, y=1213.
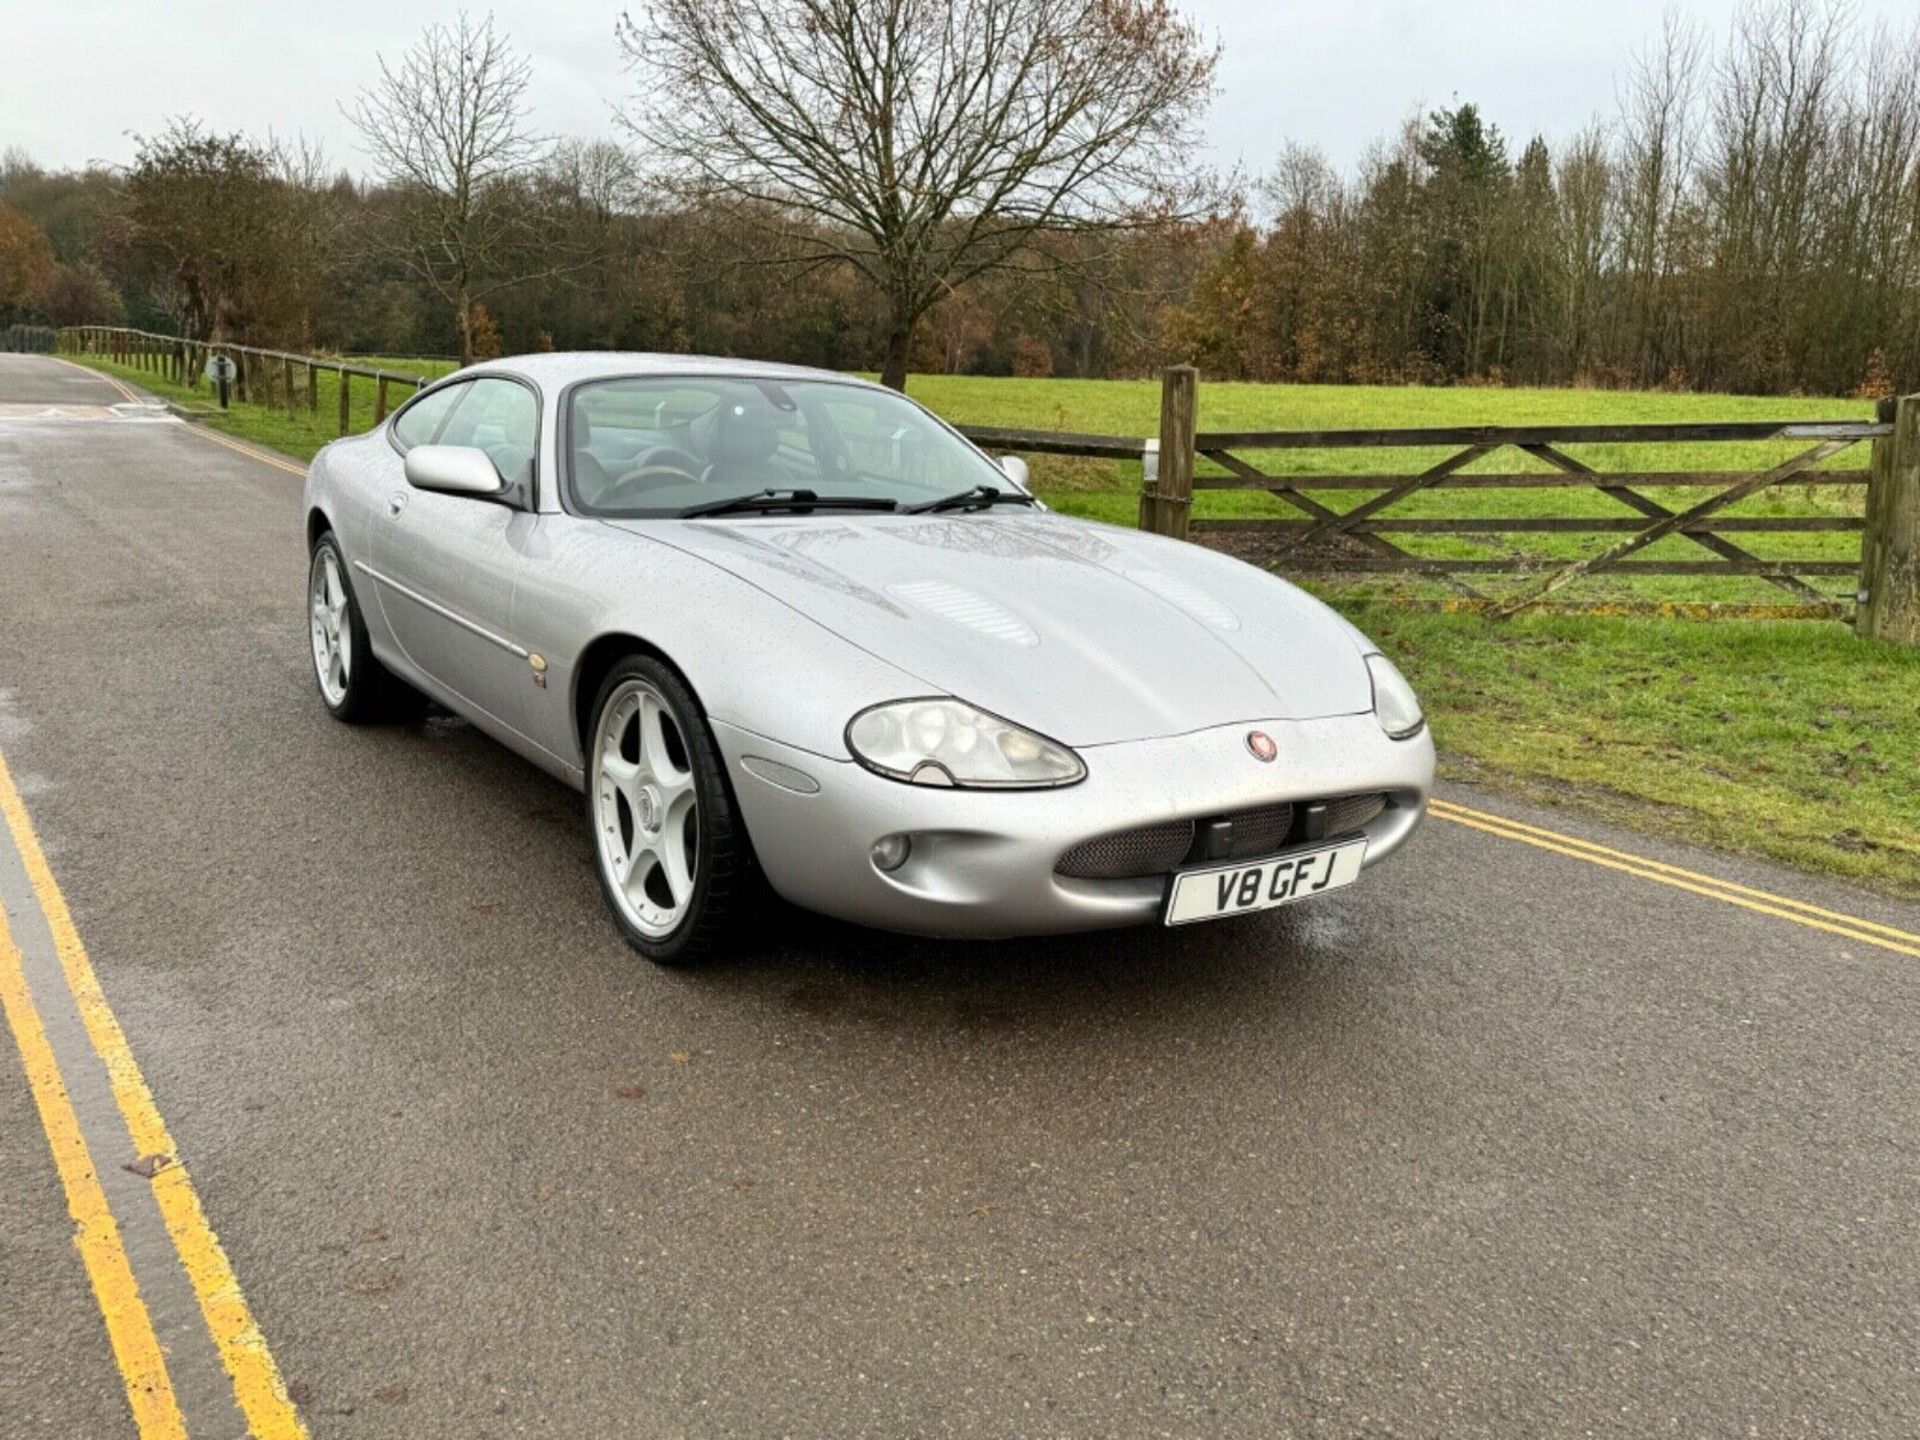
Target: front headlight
x=944, y=742
x=1394, y=703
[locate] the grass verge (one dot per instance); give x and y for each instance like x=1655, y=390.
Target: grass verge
x=299, y=432
x=1796, y=742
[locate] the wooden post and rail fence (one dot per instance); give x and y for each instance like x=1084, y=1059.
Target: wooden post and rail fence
x=1324, y=538
x=275, y=379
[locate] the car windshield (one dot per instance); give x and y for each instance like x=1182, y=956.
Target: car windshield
x=661, y=446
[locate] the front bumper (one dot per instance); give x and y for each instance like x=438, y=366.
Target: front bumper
x=982, y=863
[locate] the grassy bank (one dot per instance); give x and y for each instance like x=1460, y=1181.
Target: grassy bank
x=298, y=432
x=1797, y=742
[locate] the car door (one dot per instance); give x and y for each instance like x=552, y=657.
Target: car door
x=445, y=566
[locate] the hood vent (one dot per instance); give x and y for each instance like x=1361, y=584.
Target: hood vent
x=966, y=608
x=1185, y=595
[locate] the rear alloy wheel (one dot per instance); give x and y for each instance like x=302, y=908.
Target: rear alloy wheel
x=354, y=685
x=667, y=844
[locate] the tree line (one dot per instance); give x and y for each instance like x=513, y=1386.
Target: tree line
x=998, y=186
x=1749, y=221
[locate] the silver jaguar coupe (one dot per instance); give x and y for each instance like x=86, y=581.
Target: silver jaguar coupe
x=787, y=628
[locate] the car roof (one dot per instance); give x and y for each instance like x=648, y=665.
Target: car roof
x=554, y=369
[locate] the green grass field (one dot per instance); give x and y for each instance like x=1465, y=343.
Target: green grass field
x=1795, y=741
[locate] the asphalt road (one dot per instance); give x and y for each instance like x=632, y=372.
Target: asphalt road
x=1501, y=1142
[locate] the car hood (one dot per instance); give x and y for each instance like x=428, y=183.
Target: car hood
x=1085, y=632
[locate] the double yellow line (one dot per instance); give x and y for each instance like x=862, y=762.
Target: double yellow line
x=126, y=392
x=257, y=1385
x=1762, y=902
x=265, y=457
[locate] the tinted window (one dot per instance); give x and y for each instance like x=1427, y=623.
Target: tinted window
x=416, y=424
x=501, y=418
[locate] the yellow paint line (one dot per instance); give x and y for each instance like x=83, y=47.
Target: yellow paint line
x=125, y=392
x=252, y=454
x=1785, y=900
x=1712, y=890
x=136, y=1350
x=257, y=1384
x=264, y=457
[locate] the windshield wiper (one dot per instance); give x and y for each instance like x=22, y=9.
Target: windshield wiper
x=967, y=499
x=785, y=498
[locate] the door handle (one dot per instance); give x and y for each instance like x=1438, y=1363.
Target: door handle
x=396, y=502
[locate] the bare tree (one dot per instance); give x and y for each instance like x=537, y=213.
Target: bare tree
x=1584, y=184
x=1657, y=128
x=447, y=127
x=921, y=142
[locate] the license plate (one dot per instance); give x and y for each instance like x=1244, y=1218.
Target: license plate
x=1263, y=884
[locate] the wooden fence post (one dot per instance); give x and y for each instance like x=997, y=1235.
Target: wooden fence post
x=380, y=400
x=313, y=388
x=1166, y=504
x=346, y=402
x=1889, y=597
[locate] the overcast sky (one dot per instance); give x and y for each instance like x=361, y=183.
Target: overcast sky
x=79, y=75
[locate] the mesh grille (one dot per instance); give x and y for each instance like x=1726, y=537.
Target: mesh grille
x=1259, y=832
x=1158, y=849
x=1126, y=854
x=1350, y=812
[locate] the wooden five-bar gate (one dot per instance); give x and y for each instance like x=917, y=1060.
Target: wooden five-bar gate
x=1327, y=538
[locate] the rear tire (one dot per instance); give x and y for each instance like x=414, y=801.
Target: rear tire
x=354, y=686
x=670, y=851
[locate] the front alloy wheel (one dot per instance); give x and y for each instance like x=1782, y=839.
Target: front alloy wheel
x=354, y=684
x=332, y=636
x=667, y=845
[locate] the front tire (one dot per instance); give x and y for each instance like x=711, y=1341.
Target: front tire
x=354, y=686
x=668, y=845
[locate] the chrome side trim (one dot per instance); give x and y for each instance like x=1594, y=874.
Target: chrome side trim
x=439, y=609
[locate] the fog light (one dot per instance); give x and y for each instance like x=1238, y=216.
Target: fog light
x=890, y=852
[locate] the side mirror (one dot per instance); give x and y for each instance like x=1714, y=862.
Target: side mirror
x=453, y=470
x=1015, y=469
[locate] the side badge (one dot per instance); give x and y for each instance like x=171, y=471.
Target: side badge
x=539, y=664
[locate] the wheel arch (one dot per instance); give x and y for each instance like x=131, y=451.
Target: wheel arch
x=590, y=671
x=318, y=524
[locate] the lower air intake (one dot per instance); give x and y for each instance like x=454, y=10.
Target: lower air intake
x=1353, y=812
x=1127, y=854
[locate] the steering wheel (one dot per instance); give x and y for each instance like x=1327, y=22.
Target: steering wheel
x=655, y=469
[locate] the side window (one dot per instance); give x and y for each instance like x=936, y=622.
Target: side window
x=501, y=418
x=415, y=424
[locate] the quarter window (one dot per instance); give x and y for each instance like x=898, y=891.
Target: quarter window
x=500, y=417
x=420, y=421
